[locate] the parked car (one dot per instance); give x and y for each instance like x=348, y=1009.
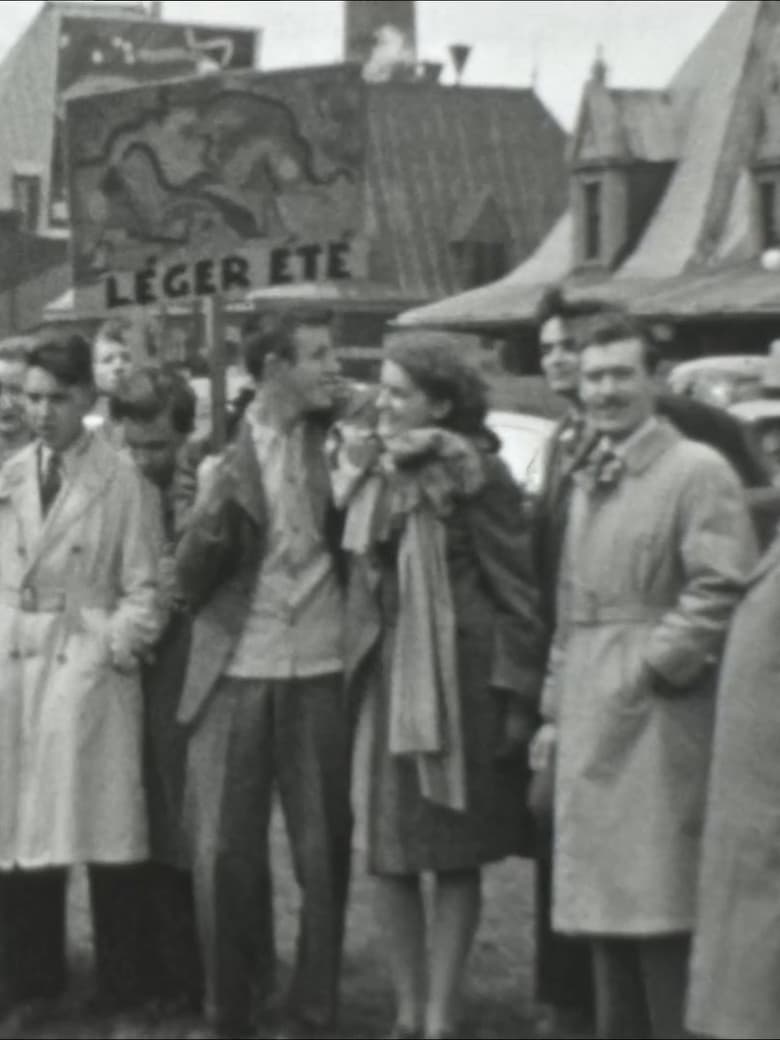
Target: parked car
x=523, y=440
x=720, y=380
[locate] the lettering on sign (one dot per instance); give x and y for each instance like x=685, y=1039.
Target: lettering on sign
x=158, y=283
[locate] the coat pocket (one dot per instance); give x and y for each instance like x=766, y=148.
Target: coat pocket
x=634, y=693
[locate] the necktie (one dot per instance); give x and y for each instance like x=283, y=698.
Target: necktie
x=603, y=466
x=51, y=481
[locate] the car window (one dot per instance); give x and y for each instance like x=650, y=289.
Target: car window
x=522, y=448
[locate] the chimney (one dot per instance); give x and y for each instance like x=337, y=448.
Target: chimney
x=460, y=52
x=431, y=71
x=367, y=20
x=156, y=10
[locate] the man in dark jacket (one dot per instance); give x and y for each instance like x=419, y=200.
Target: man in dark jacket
x=264, y=700
x=156, y=409
x=564, y=986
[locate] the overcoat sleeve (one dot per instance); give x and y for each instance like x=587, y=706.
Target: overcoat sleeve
x=717, y=553
x=137, y=620
x=503, y=541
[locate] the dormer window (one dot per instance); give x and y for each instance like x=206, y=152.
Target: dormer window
x=485, y=262
x=593, y=219
x=27, y=200
x=480, y=237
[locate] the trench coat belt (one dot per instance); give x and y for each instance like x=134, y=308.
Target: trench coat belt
x=591, y=613
x=32, y=599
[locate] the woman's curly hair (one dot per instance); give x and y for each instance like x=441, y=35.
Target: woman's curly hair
x=436, y=364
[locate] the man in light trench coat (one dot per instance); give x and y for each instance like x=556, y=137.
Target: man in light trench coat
x=734, y=991
x=78, y=608
x=657, y=549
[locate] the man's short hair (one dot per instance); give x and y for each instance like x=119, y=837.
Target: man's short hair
x=598, y=322
x=151, y=392
x=15, y=348
x=273, y=335
x=613, y=325
x=556, y=304
x=116, y=330
x=67, y=358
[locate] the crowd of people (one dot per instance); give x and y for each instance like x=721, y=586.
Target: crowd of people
x=354, y=606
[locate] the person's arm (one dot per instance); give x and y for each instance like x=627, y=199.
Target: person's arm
x=717, y=551
x=503, y=541
x=209, y=549
x=137, y=619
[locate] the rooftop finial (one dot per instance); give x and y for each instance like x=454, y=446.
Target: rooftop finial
x=460, y=52
x=600, y=73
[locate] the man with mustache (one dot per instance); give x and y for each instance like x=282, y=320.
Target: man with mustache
x=563, y=967
x=657, y=547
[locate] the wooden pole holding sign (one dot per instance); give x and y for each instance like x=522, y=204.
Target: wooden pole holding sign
x=214, y=321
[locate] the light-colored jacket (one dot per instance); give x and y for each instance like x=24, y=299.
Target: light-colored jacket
x=77, y=607
x=736, y=964
x=652, y=572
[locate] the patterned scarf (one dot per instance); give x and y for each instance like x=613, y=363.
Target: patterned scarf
x=602, y=469
x=408, y=486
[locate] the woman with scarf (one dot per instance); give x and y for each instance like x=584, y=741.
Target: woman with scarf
x=446, y=649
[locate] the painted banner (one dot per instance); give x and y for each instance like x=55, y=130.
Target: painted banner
x=97, y=54
x=215, y=186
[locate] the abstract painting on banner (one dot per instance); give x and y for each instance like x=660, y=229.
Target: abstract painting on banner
x=98, y=53
x=215, y=186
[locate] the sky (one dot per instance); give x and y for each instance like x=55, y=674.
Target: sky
x=516, y=42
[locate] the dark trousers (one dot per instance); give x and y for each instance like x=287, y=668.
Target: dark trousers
x=564, y=967
x=33, y=933
x=641, y=988
x=253, y=738
x=170, y=957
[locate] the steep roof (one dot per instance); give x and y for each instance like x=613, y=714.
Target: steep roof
x=730, y=291
x=435, y=153
x=433, y=148
x=626, y=125
x=713, y=111
x=717, y=93
x=513, y=298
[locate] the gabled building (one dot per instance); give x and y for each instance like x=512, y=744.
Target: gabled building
x=463, y=183
x=674, y=200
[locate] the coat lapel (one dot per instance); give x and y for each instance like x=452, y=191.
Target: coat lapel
x=19, y=485
x=245, y=477
x=91, y=472
x=653, y=442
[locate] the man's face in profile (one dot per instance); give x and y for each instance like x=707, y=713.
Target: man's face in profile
x=560, y=357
